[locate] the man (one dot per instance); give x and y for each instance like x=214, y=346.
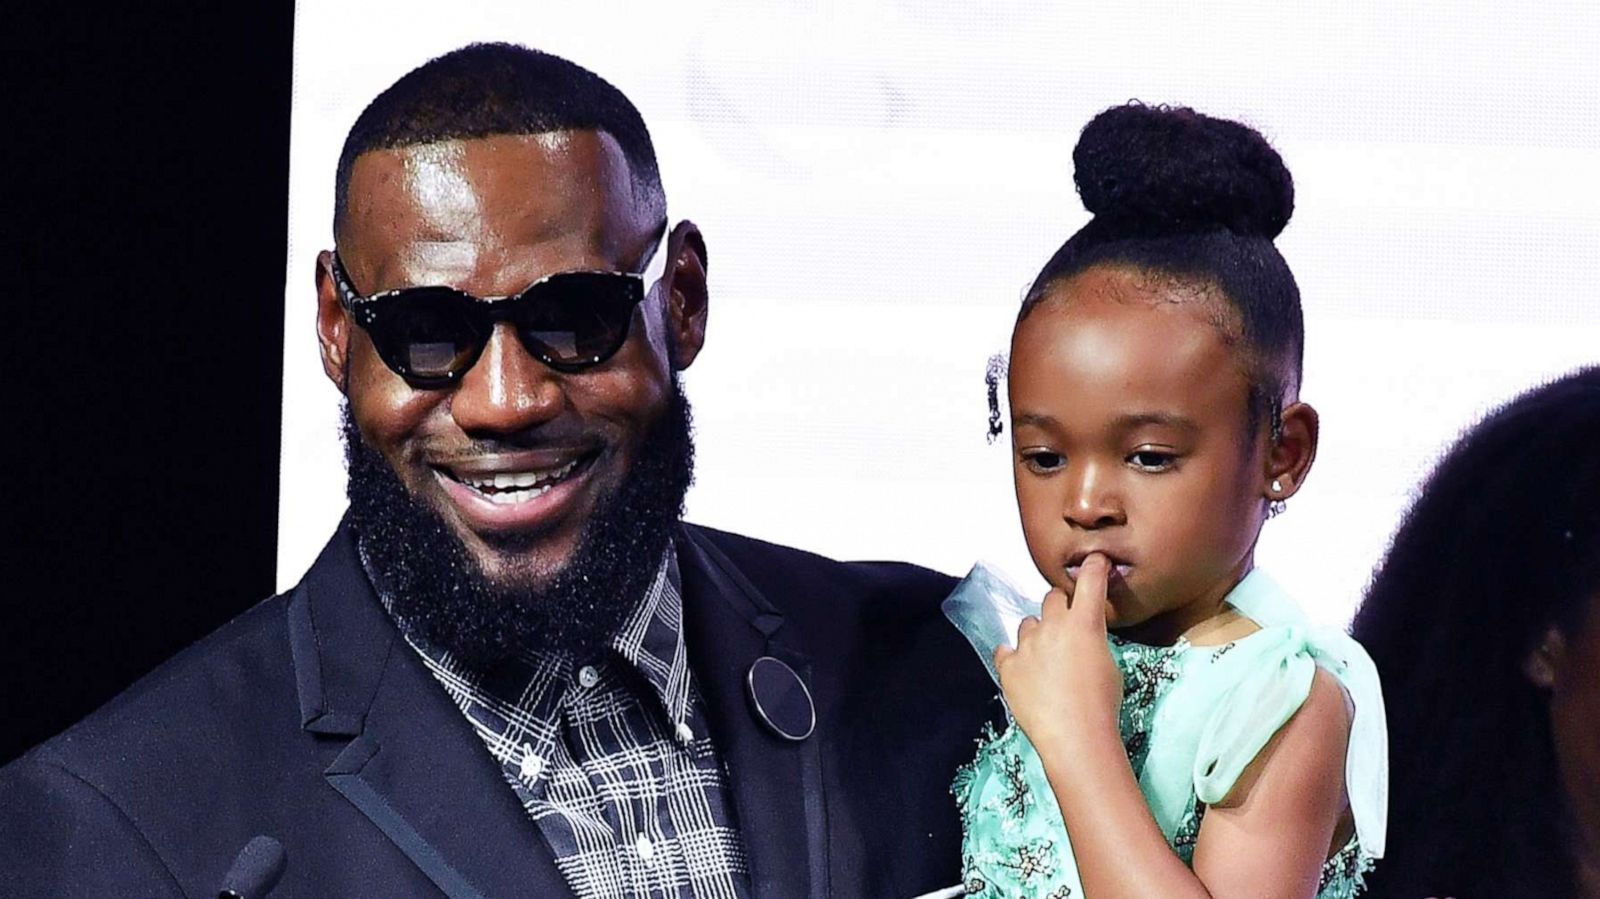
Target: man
x=513, y=671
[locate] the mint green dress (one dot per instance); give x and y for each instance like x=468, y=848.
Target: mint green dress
x=1192, y=718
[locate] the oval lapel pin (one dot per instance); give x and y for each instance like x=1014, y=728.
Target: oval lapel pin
x=781, y=699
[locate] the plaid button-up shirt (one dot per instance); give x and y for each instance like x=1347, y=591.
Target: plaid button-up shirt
x=612, y=758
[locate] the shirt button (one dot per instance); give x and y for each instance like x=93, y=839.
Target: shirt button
x=588, y=677
x=684, y=732
x=645, y=848
x=531, y=765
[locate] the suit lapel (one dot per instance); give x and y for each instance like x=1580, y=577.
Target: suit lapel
x=776, y=784
x=412, y=763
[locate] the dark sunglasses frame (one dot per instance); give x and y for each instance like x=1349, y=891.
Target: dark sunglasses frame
x=619, y=292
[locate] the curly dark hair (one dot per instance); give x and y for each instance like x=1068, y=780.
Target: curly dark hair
x=1502, y=543
x=1198, y=199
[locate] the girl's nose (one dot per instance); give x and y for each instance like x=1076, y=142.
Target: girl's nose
x=1092, y=501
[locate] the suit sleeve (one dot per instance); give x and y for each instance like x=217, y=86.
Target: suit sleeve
x=60, y=836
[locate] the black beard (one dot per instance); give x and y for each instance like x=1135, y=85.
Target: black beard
x=437, y=592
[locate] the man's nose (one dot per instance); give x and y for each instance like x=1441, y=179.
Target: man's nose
x=507, y=390
x=1092, y=500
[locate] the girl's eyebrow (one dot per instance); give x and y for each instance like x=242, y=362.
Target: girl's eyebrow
x=1164, y=419
x=1125, y=422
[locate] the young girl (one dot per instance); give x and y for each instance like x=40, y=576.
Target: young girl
x=1176, y=728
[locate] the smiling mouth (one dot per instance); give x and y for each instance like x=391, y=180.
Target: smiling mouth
x=508, y=488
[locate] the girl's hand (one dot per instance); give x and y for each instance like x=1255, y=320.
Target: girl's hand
x=1061, y=681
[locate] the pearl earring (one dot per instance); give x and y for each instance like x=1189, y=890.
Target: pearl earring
x=1277, y=506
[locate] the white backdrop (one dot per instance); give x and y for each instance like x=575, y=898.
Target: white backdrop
x=879, y=179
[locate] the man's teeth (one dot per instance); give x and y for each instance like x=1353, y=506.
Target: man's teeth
x=519, y=486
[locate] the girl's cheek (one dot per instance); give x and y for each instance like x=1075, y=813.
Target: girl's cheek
x=1033, y=527
x=1041, y=540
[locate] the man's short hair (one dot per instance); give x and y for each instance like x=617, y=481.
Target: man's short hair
x=482, y=90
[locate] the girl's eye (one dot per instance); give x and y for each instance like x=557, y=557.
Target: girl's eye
x=1042, y=460
x=1152, y=460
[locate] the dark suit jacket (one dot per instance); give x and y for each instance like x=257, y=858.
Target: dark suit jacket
x=308, y=720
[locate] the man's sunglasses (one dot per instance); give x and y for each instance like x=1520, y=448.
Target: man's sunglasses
x=570, y=321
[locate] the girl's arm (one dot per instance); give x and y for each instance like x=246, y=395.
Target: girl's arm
x=1268, y=838
x=1277, y=824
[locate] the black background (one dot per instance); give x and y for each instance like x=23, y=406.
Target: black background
x=145, y=219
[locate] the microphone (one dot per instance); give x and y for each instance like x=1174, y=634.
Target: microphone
x=256, y=871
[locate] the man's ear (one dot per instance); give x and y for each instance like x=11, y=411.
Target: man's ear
x=333, y=324
x=1289, y=458
x=1543, y=665
x=684, y=295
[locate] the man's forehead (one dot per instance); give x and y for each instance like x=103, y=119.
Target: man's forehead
x=543, y=185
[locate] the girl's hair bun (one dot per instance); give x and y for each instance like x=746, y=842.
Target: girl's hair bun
x=1158, y=170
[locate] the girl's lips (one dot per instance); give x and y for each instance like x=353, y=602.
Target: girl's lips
x=1119, y=569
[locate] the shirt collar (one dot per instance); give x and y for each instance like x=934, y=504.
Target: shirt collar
x=650, y=642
